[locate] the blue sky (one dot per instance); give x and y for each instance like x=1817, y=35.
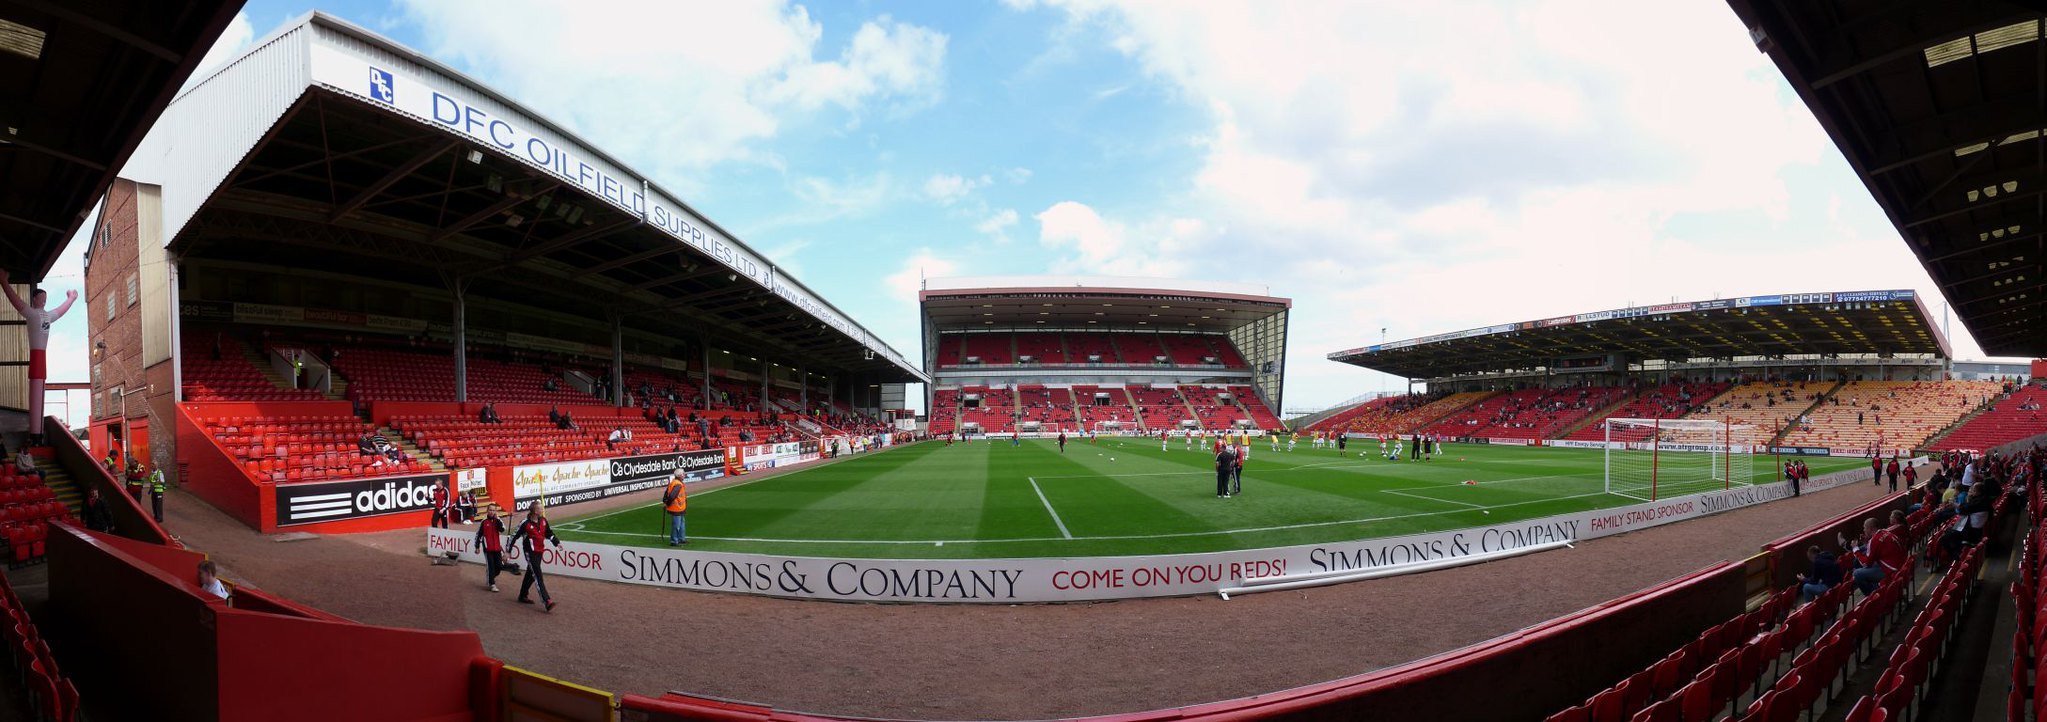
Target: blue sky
x=1418, y=167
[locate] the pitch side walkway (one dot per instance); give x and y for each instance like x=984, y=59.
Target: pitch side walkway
x=968, y=661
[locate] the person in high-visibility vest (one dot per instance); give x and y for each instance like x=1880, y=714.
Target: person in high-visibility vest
x=676, y=501
x=156, y=489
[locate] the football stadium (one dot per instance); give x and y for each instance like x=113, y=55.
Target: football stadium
x=410, y=403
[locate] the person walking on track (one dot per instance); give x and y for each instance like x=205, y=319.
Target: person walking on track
x=490, y=538
x=537, y=533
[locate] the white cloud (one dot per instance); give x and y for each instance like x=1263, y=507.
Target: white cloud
x=908, y=279
x=947, y=189
x=1438, y=166
x=1018, y=175
x=997, y=225
x=686, y=85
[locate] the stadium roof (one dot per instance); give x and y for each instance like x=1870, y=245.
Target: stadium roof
x=1068, y=302
x=1886, y=323
x=330, y=149
x=1938, y=107
x=80, y=82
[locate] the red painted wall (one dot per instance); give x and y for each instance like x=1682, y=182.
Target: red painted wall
x=133, y=637
x=211, y=474
x=351, y=672
x=1525, y=675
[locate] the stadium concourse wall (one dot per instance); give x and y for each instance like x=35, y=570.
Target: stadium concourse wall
x=162, y=649
x=1518, y=673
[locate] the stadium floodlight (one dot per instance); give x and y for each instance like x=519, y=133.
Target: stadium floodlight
x=1650, y=459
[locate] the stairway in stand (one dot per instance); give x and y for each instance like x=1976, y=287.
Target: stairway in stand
x=61, y=484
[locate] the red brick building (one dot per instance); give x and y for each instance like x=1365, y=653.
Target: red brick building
x=127, y=308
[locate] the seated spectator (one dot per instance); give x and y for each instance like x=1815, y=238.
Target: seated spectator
x=209, y=579
x=465, y=506
x=25, y=463
x=489, y=415
x=369, y=444
x=565, y=423
x=550, y=385
x=618, y=436
x=554, y=415
x=97, y=516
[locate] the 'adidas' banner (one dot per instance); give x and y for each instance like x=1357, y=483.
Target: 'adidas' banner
x=305, y=503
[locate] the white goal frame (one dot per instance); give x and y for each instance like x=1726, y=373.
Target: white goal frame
x=1674, y=447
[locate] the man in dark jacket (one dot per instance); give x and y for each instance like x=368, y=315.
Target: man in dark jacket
x=97, y=516
x=1225, y=467
x=1821, y=576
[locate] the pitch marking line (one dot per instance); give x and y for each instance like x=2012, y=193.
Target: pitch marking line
x=1113, y=537
x=1431, y=498
x=1048, y=509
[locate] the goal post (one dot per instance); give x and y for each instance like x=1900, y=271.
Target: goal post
x=1650, y=459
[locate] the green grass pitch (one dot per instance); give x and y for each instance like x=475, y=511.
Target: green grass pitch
x=1121, y=497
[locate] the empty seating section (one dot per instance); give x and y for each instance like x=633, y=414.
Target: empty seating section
x=51, y=695
x=1255, y=407
x=231, y=377
x=1052, y=348
x=1765, y=407
x=1048, y=406
x=1374, y=407
x=1185, y=350
x=1889, y=415
x=299, y=447
x=1416, y=414
x=1668, y=401
x=376, y=374
x=2013, y=418
x=1042, y=348
x=1529, y=413
x=1160, y=408
x=1103, y=403
x=945, y=411
x=994, y=412
x=1209, y=408
x=26, y=507
x=1082, y=348
x=988, y=348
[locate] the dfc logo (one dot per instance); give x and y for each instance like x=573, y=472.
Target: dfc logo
x=380, y=86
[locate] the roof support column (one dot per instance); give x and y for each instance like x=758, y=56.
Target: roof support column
x=803, y=392
x=705, y=392
x=459, y=286
x=617, y=360
x=764, y=386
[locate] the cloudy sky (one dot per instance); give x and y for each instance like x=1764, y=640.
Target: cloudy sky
x=1416, y=167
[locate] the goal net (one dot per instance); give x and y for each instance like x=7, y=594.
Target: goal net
x=1650, y=459
x=1113, y=428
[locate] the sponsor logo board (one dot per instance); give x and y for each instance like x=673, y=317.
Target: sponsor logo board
x=1005, y=581
x=306, y=503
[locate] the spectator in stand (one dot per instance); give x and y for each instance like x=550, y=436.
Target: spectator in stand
x=489, y=415
x=566, y=423
x=490, y=539
x=1823, y=572
x=209, y=580
x=25, y=464
x=549, y=385
x=554, y=415
x=97, y=516
x=368, y=446
x=465, y=507
x=618, y=436
x=536, y=532
x=1884, y=556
